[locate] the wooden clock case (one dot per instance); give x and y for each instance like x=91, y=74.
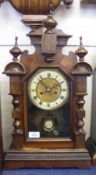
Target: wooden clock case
x=48, y=152
x=91, y=141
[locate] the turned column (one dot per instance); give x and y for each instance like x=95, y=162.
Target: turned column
x=16, y=71
x=81, y=71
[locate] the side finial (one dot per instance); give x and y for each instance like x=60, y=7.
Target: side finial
x=81, y=52
x=68, y=3
x=1, y=1
x=15, y=51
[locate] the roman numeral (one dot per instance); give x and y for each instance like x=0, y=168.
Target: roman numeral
x=33, y=90
x=40, y=77
x=61, y=97
x=40, y=103
x=35, y=97
x=61, y=82
x=48, y=104
x=49, y=75
x=35, y=82
x=63, y=89
x=56, y=76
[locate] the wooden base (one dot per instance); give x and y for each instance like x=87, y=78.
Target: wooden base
x=58, y=158
x=91, y=145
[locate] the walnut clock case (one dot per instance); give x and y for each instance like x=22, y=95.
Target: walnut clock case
x=48, y=90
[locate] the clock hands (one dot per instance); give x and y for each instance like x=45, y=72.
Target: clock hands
x=50, y=89
x=47, y=89
x=44, y=84
x=56, y=85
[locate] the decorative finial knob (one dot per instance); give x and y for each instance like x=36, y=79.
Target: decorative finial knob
x=50, y=24
x=15, y=51
x=81, y=52
x=68, y=3
x=1, y=1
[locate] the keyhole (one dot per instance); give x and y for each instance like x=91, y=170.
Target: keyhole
x=55, y=92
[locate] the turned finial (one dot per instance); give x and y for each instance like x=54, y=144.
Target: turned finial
x=68, y=3
x=81, y=52
x=49, y=24
x=1, y=1
x=15, y=51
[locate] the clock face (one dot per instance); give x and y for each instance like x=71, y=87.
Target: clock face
x=48, y=89
x=48, y=125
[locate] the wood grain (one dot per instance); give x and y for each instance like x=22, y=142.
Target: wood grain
x=34, y=6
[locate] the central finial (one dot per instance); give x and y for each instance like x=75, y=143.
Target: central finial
x=50, y=24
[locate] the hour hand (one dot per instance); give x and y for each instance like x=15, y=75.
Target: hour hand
x=47, y=89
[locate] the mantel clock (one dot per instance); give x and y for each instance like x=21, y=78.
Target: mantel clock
x=48, y=90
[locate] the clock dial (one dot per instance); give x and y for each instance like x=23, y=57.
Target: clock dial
x=48, y=89
x=48, y=125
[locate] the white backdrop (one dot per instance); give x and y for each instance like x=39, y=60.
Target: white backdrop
x=79, y=20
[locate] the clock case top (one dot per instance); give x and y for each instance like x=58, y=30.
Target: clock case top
x=48, y=55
